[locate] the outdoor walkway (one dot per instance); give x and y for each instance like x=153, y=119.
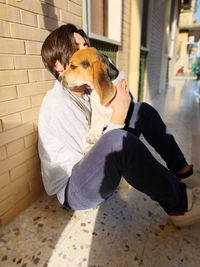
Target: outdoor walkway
x=128, y=230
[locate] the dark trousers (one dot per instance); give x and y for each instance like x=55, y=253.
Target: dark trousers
x=121, y=153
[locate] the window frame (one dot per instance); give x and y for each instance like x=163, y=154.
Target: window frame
x=86, y=4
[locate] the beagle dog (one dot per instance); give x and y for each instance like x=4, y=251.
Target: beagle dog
x=88, y=66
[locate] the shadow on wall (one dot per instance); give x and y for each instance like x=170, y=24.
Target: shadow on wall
x=50, y=16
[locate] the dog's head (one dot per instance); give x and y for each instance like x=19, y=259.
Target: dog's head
x=88, y=66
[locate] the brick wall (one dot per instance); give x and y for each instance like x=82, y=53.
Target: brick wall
x=24, y=24
x=23, y=82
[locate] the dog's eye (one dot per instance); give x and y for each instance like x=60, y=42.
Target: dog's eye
x=73, y=67
x=85, y=64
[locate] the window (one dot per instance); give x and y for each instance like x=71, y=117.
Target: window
x=103, y=20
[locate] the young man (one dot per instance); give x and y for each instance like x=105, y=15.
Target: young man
x=83, y=182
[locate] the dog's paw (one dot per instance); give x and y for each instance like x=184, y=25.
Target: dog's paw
x=87, y=148
x=93, y=137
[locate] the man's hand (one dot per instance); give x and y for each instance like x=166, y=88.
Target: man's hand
x=120, y=103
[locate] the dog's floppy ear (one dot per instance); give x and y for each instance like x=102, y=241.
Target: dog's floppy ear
x=102, y=83
x=113, y=72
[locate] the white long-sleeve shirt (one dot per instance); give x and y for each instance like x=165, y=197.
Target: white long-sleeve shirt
x=62, y=131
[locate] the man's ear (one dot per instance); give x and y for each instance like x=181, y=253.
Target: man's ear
x=58, y=66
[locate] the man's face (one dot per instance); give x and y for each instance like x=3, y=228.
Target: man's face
x=80, y=42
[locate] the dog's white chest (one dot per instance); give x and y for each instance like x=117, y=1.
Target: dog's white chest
x=100, y=118
x=97, y=108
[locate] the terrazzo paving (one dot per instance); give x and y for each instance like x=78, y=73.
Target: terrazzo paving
x=128, y=230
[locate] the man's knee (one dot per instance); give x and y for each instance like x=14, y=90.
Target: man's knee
x=119, y=139
x=113, y=136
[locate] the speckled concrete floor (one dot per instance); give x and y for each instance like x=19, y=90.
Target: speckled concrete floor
x=128, y=230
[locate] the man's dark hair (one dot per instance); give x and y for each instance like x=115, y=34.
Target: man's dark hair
x=60, y=45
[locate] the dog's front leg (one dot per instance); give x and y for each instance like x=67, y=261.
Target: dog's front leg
x=94, y=133
x=100, y=117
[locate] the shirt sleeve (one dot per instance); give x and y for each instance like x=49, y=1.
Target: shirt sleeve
x=113, y=126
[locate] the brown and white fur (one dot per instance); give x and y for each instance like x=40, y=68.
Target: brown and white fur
x=88, y=66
